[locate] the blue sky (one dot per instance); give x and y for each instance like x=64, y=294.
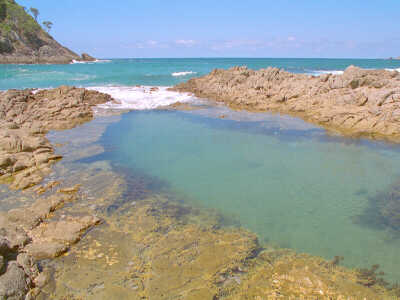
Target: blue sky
x=221, y=28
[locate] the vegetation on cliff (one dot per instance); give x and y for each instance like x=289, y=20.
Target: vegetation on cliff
x=23, y=40
x=16, y=23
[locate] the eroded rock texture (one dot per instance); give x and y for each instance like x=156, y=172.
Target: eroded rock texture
x=358, y=103
x=25, y=117
x=158, y=249
x=27, y=235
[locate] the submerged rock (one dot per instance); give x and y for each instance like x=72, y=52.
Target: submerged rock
x=154, y=251
x=383, y=211
x=359, y=102
x=52, y=239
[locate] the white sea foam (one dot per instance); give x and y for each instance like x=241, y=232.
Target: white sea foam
x=321, y=72
x=398, y=70
x=176, y=74
x=338, y=72
x=141, y=97
x=90, y=62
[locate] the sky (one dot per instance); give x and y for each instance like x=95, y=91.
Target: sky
x=221, y=28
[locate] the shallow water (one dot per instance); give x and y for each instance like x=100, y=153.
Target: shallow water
x=285, y=180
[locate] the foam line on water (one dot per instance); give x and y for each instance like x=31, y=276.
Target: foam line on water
x=398, y=69
x=90, y=62
x=176, y=74
x=141, y=97
x=321, y=72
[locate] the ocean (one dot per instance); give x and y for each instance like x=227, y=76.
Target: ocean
x=291, y=183
x=120, y=77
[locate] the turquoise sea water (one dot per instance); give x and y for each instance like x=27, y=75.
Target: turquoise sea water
x=159, y=72
x=289, y=182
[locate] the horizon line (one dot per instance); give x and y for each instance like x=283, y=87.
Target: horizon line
x=249, y=57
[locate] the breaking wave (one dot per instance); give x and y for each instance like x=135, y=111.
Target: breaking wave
x=176, y=74
x=141, y=97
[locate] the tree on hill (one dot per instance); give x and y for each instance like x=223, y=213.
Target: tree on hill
x=48, y=25
x=35, y=12
x=3, y=11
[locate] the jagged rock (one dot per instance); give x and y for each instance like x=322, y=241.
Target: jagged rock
x=25, y=153
x=87, y=57
x=26, y=236
x=359, y=102
x=13, y=285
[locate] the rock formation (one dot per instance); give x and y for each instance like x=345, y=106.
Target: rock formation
x=26, y=236
x=25, y=117
x=26, y=233
x=158, y=249
x=358, y=103
x=22, y=39
x=87, y=57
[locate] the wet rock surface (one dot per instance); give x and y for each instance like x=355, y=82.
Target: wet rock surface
x=25, y=116
x=358, y=103
x=159, y=249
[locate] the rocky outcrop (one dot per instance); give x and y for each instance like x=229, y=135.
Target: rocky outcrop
x=358, y=103
x=25, y=153
x=22, y=39
x=26, y=236
x=87, y=57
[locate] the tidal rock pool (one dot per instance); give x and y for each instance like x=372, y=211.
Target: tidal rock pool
x=292, y=184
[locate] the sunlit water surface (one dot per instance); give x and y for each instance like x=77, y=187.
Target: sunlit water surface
x=287, y=181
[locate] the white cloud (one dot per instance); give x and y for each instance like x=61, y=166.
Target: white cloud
x=233, y=44
x=291, y=38
x=186, y=43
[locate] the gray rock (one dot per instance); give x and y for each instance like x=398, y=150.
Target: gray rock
x=13, y=285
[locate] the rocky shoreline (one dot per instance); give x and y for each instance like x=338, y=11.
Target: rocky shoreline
x=357, y=103
x=150, y=247
x=28, y=234
x=45, y=55
x=26, y=116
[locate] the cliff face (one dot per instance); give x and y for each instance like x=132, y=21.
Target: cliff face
x=22, y=40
